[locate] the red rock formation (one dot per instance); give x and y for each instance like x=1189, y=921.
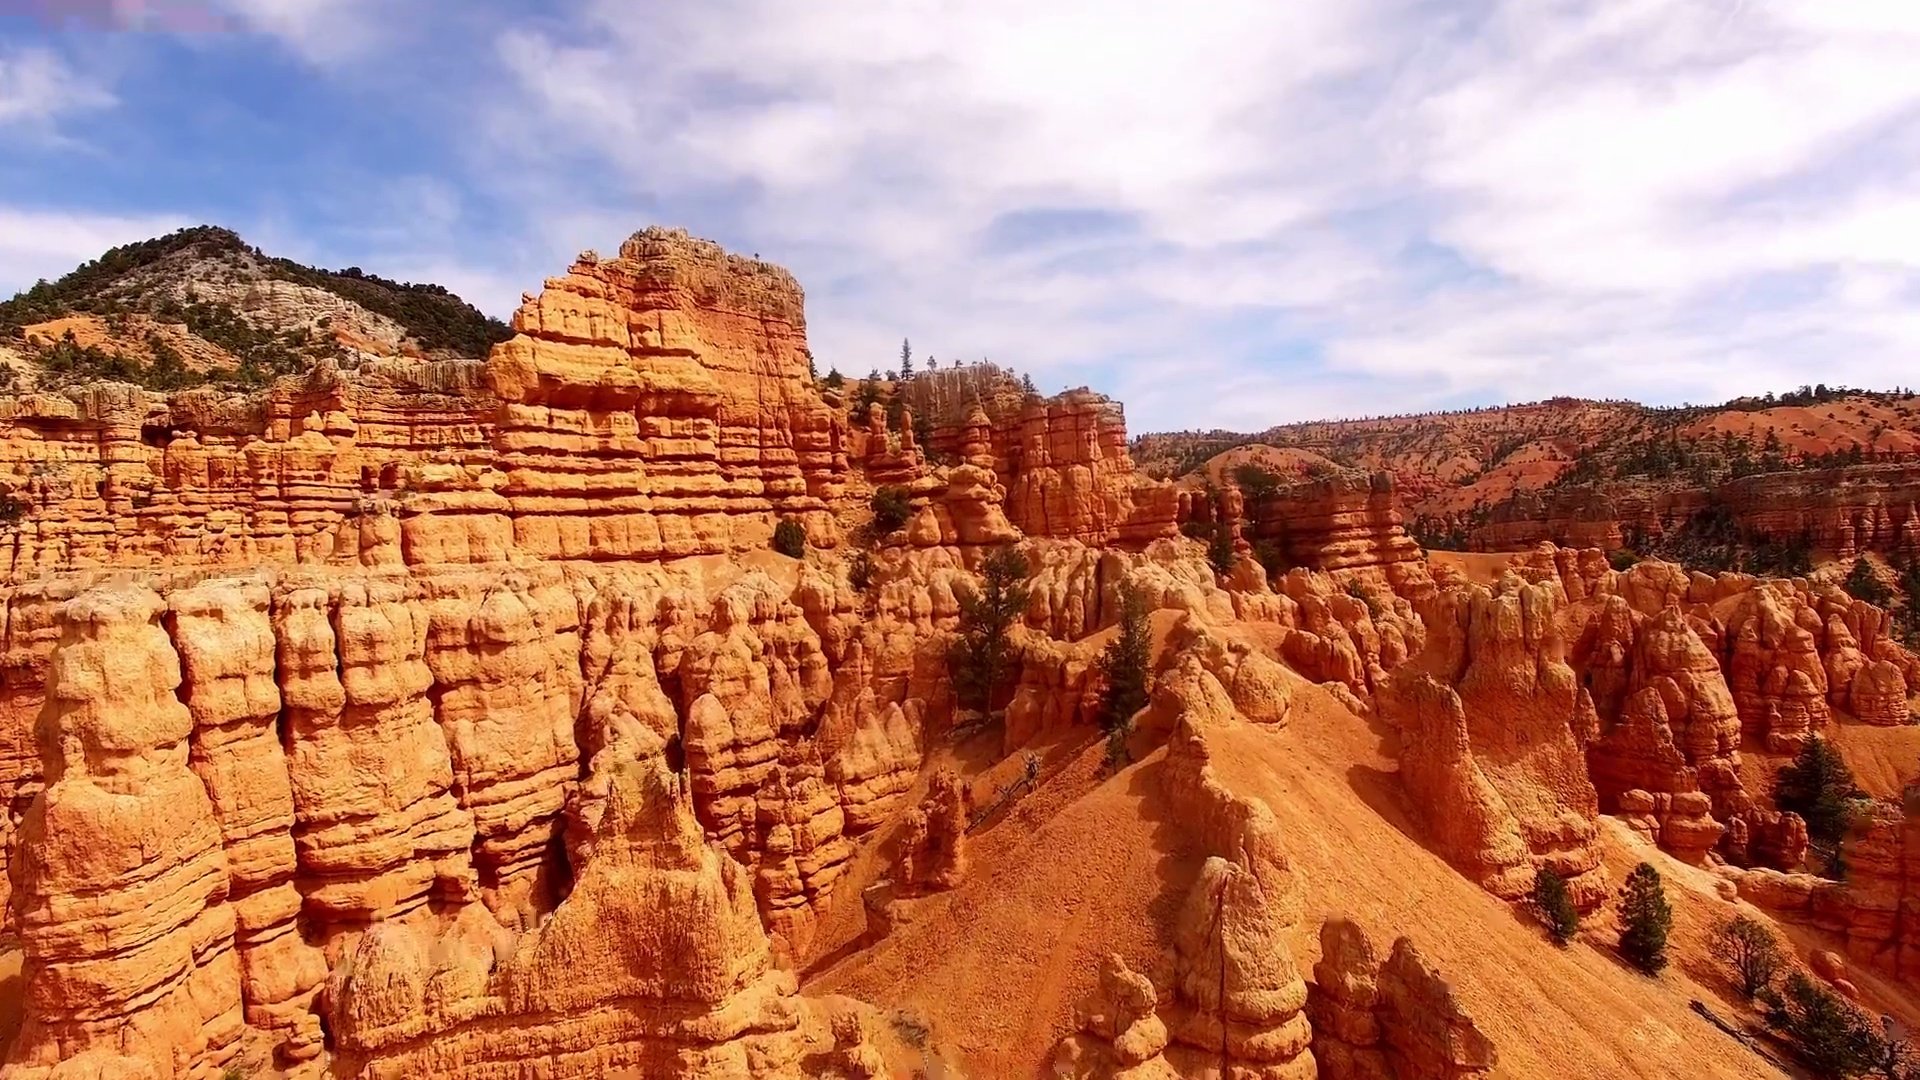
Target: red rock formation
x=1348, y=521
x=933, y=844
x=1839, y=512
x=1675, y=732
x=1774, y=670
x=1391, y=1021
x=1493, y=768
x=604, y=984
x=226, y=648
x=1873, y=909
x=122, y=880
x=1122, y=1034
x=1236, y=1000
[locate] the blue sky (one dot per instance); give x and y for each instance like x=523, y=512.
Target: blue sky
x=1231, y=216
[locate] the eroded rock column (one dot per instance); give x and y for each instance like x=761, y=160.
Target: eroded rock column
x=122, y=881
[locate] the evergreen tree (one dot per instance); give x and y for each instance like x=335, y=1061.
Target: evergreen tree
x=982, y=655
x=1645, y=918
x=1027, y=387
x=932, y=364
x=835, y=380
x=1820, y=788
x=1554, y=906
x=869, y=392
x=1835, y=1038
x=1124, y=666
x=923, y=431
x=1863, y=584
x=906, y=359
x=1220, y=548
x=1751, y=950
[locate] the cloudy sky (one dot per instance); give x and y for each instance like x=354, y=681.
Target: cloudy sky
x=1227, y=213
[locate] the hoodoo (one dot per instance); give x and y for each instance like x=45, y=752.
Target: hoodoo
x=461, y=716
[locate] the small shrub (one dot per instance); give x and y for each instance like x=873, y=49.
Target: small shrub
x=1196, y=530
x=892, y=507
x=1646, y=917
x=1118, y=757
x=1833, y=1036
x=860, y=571
x=1255, y=482
x=1750, y=949
x=790, y=538
x=1554, y=906
x=1622, y=559
x=12, y=510
x=911, y=1029
x=1272, y=558
x=1220, y=548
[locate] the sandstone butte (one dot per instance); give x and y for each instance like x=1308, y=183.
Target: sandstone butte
x=455, y=719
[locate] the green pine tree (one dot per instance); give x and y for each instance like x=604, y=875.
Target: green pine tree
x=1819, y=787
x=983, y=656
x=1835, y=1038
x=1863, y=584
x=1126, y=663
x=1645, y=919
x=1554, y=905
x=906, y=359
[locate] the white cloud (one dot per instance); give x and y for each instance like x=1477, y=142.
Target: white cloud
x=320, y=32
x=1495, y=200
x=38, y=85
x=41, y=243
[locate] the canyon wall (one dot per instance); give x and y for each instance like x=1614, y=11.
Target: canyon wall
x=1840, y=512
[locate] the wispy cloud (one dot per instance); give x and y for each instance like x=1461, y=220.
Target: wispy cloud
x=1483, y=200
x=37, y=243
x=38, y=86
x=320, y=32
x=1236, y=214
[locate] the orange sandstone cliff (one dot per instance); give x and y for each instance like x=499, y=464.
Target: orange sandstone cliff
x=457, y=719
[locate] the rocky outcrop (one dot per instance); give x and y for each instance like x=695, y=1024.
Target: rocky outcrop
x=1489, y=756
x=1068, y=475
x=225, y=641
x=1838, y=512
x=122, y=881
x=1345, y=522
x=606, y=983
x=1235, y=1000
x=1668, y=731
x=933, y=841
x=1396, y=1020
x=651, y=406
x=1774, y=669
x=1873, y=910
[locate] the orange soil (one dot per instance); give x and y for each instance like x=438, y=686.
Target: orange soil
x=1088, y=866
x=196, y=353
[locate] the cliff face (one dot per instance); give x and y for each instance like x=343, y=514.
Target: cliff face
x=1346, y=521
x=651, y=406
x=457, y=720
x=1841, y=512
